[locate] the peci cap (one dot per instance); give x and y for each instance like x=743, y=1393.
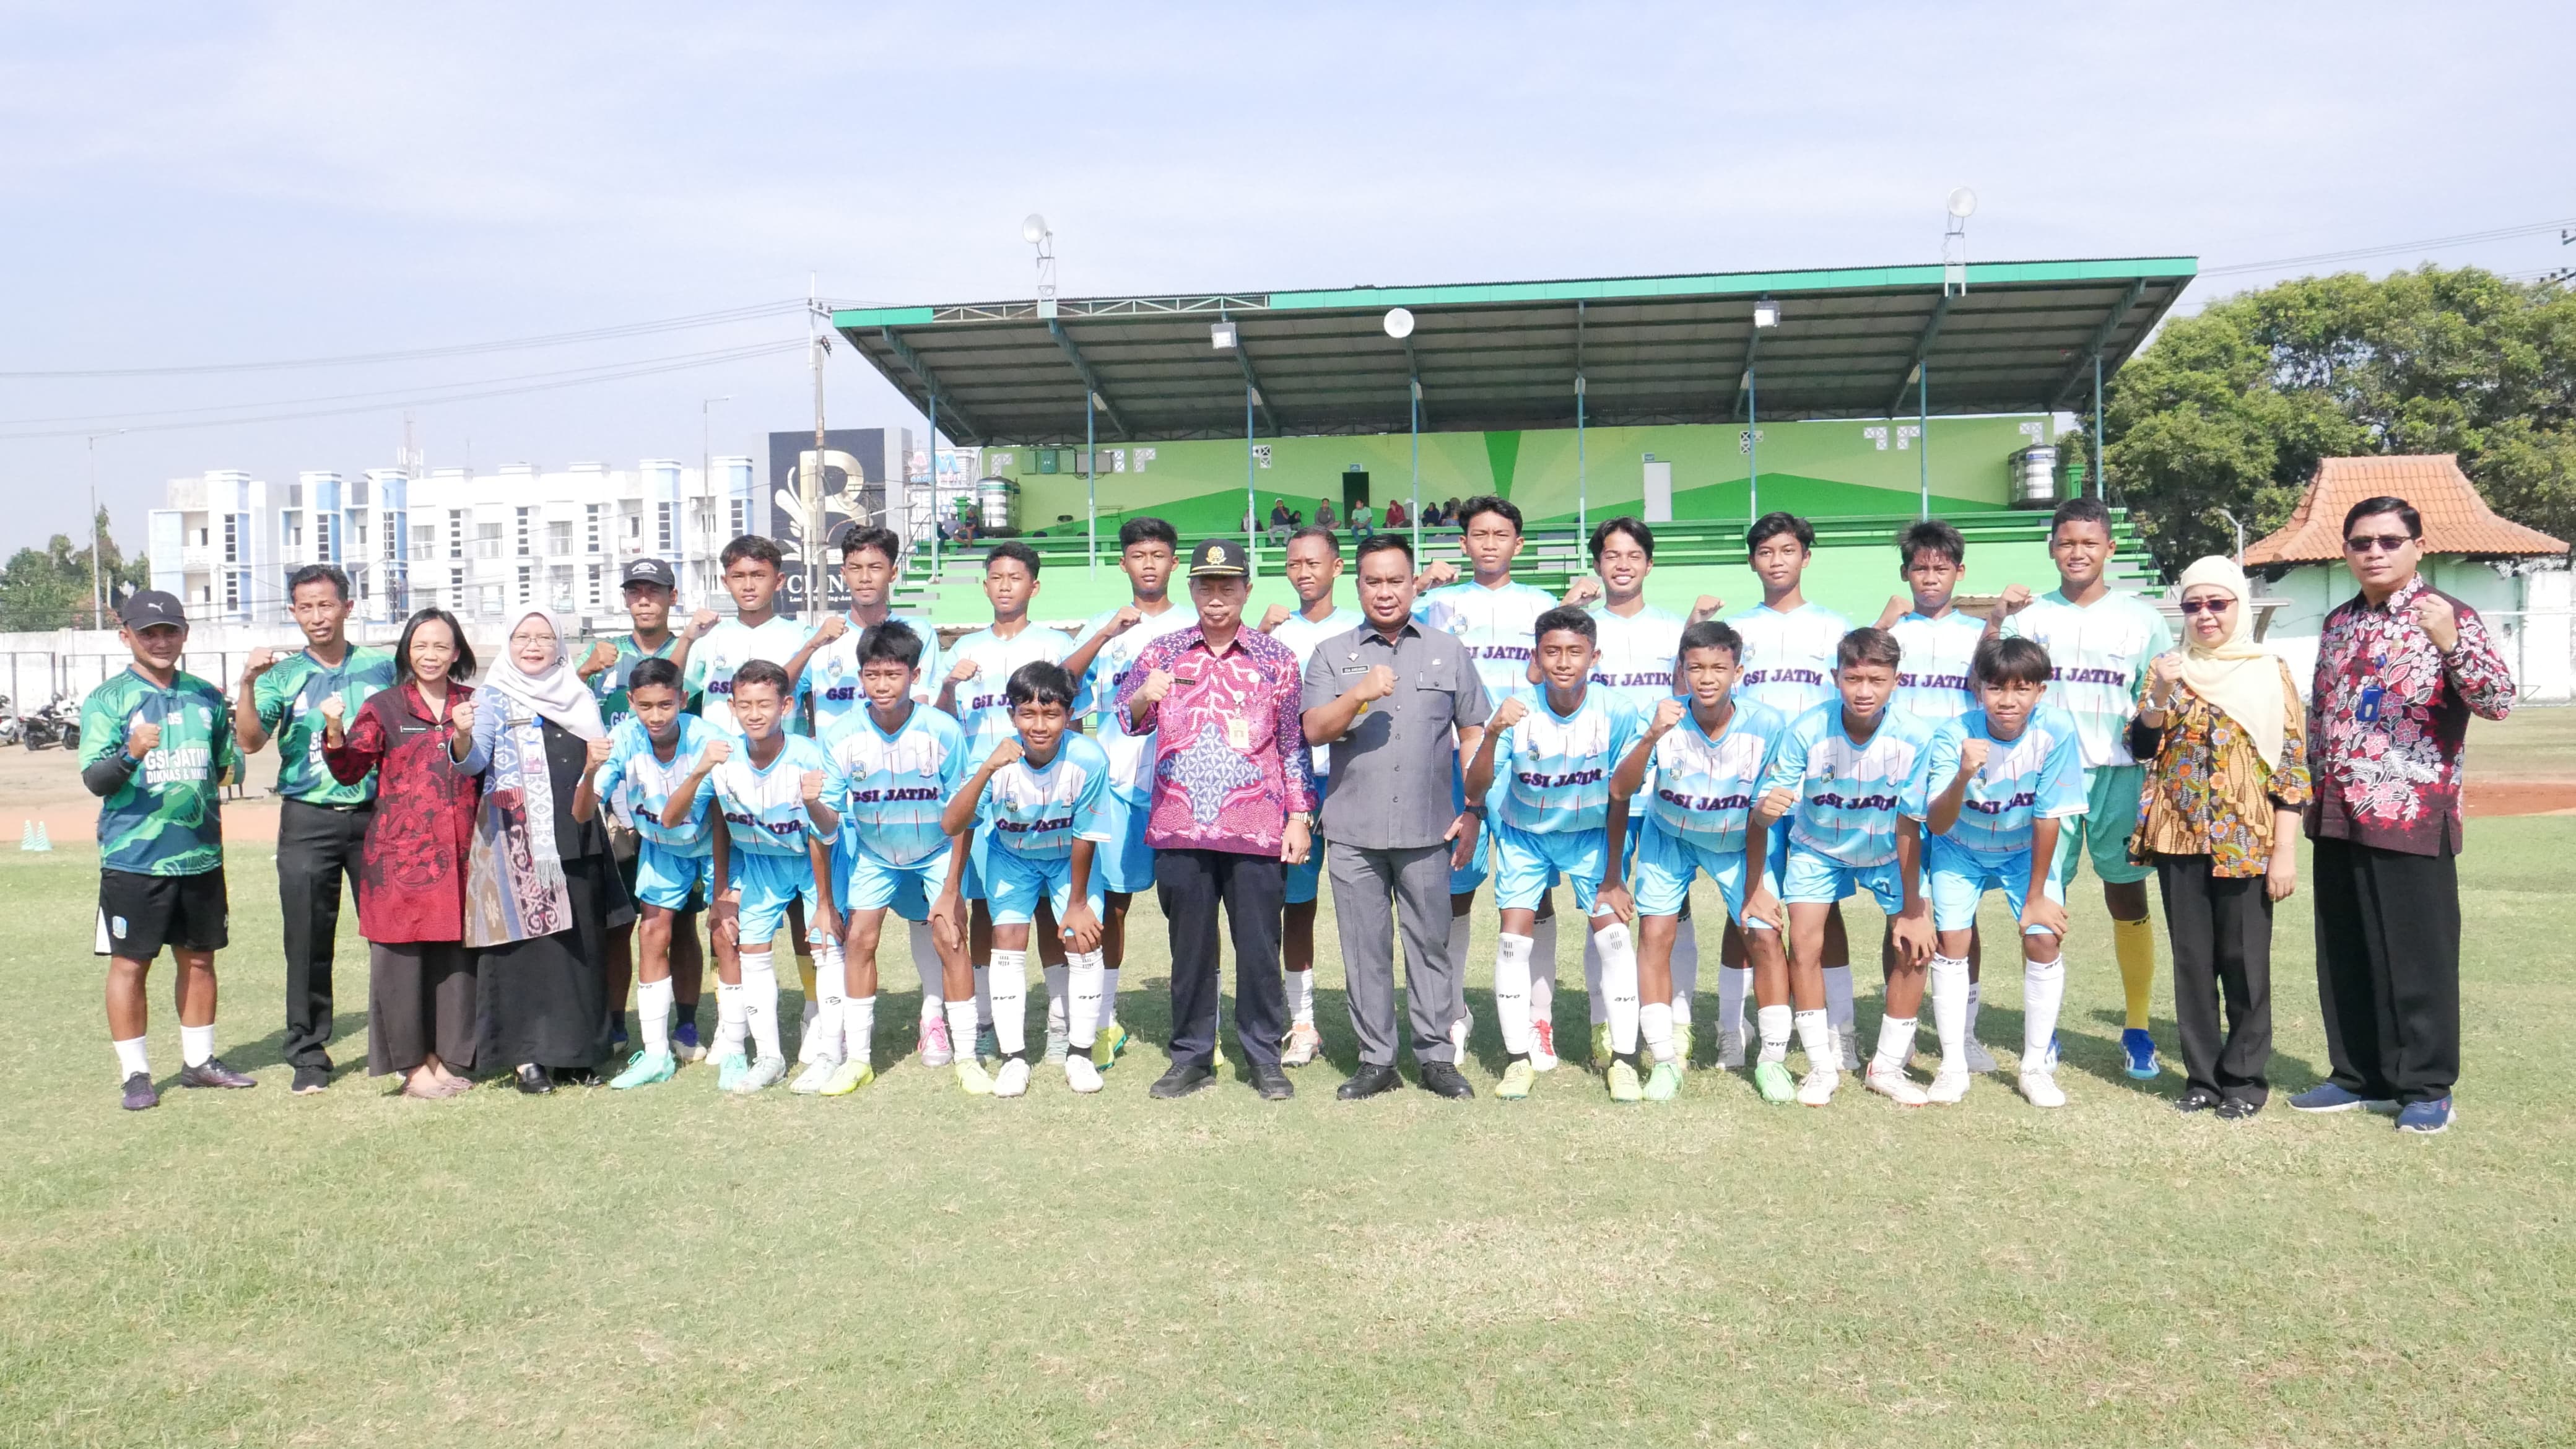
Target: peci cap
x=1219, y=558
x=649, y=571
x=152, y=607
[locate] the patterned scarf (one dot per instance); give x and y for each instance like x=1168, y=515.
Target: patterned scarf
x=515, y=889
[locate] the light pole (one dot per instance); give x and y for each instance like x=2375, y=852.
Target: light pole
x=706, y=470
x=97, y=594
x=1399, y=325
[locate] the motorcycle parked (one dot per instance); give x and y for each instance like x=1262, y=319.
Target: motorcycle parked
x=56, y=724
x=8, y=721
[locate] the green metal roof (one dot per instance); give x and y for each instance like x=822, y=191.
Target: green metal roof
x=2020, y=336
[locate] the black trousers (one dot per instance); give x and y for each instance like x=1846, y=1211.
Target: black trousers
x=2388, y=969
x=1190, y=884
x=2221, y=931
x=317, y=852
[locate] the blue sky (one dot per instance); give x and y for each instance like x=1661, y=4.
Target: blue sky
x=233, y=183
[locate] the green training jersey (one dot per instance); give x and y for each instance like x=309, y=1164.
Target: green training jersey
x=290, y=698
x=165, y=819
x=610, y=684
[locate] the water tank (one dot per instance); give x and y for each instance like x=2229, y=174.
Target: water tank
x=2033, y=476
x=997, y=504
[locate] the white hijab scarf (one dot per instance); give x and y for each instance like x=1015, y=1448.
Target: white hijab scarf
x=2237, y=675
x=555, y=692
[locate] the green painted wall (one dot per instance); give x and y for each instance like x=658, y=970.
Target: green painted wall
x=1823, y=469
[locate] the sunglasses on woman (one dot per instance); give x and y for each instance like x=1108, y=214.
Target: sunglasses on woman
x=2206, y=606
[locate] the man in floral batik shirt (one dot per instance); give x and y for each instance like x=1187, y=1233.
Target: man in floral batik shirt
x=2400, y=669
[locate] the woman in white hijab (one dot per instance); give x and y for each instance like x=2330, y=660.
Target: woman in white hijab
x=542, y=888
x=2224, y=732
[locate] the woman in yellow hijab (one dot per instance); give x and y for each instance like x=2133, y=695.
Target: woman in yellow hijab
x=2224, y=732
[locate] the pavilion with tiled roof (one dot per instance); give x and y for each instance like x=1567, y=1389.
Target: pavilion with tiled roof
x=2456, y=519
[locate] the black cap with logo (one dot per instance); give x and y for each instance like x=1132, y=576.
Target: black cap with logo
x=649, y=571
x=1219, y=558
x=152, y=607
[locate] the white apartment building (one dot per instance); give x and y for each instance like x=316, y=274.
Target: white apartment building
x=476, y=544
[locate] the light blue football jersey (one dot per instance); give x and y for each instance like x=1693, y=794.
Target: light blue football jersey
x=1789, y=657
x=832, y=674
x=1301, y=635
x=1494, y=624
x=730, y=645
x=1702, y=789
x=1637, y=654
x=1850, y=794
x=1037, y=812
x=2040, y=775
x=1933, y=680
x=764, y=810
x=895, y=786
x=982, y=706
x=637, y=782
x=1130, y=755
x=1552, y=771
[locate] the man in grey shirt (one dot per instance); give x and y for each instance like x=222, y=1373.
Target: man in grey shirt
x=1400, y=705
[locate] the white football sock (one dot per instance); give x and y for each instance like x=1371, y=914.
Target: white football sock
x=1619, y=983
x=1083, y=979
x=1009, y=990
x=1512, y=992
x=1686, y=972
x=1055, y=977
x=1973, y=1002
x=653, y=1015
x=859, y=1029
x=731, y=1024
x=830, y=998
x=131, y=1057
x=983, y=997
x=1108, y=995
x=196, y=1044
x=1655, y=1027
x=1838, y=1000
x=961, y=1028
x=1776, y=1022
x=759, y=996
x=925, y=964
x=1592, y=979
x=1543, y=973
x=1950, y=992
x=1895, y=1043
x=1301, y=997
x=1734, y=984
x=2043, y=990
x=1816, y=1035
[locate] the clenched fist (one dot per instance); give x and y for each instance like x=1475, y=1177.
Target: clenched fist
x=1972, y=755
x=1273, y=617
x=716, y=751
x=1705, y=608
x=2016, y=597
x=596, y=754
x=335, y=712
x=1898, y=606
x=810, y=785
x=832, y=627
x=1157, y=684
x=142, y=736
x=1778, y=801
x=2439, y=621
x=1581, y=592
x=1378, y=683
x=262, y=660
x=1004, y=754
x=703, y=622
x=1437, y=575
x=1667, y=714
x=966, y=669
x=602, y=655
x=2162, y=676
x=1511, y=712
x=1127, y=617
x=460, y=719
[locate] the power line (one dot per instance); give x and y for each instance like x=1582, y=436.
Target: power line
x=418, y=392
x=794, y=305
x=765, y=349
x=2503, y=233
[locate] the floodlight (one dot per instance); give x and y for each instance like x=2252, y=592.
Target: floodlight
x=1033, y=229
x=1963, y=202
x=1766, y=313
x=1399, y=323
x=1221, y=336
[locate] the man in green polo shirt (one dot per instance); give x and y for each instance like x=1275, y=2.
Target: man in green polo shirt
x=322, y=824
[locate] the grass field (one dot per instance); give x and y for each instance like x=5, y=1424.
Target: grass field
x=912, y=1266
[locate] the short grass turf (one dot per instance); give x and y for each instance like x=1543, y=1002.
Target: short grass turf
x=906, y=1266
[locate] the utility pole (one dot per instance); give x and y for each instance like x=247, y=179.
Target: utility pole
x=97, y=589
x=706, y=476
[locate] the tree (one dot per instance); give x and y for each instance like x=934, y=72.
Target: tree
x=49, y=588
x=2233, y=408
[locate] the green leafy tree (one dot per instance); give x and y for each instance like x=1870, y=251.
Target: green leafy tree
x=49, y=588
x=2233, y=408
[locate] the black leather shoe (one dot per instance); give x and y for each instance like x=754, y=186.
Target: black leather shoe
x=1271, y=1083
x=534, y=1081
x=2238, y=1109
x=1369, y=1082
x=310, y=1079
x=2196, y=1100
x=1183, y=1079
x=1442, y=1080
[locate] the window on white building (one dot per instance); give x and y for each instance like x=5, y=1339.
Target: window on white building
x=741, y=518
x=491, y=599
x=527, y=583
x=525, y=517
x=595, y=571
x=232, y=590
x=456, y=533
x=487, y=540
x=662, y=527
x=322, y=551
x=558, y=538
x=590, y=526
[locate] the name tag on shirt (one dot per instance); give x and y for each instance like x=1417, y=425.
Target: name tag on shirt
x=1238, y=733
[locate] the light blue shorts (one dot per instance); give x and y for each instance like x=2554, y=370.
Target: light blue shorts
x=666, y=878
x=769, y=884
x=865, y=881
x=1527, y=864
x=1666, y=864
x=1126, y=863
x=1812, y=879
x=1014, y=884
x=1305, y=882
x=971, y=884
x=1958, y=878
x=1463, y=880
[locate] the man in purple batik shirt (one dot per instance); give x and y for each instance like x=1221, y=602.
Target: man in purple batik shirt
x=1233, y=804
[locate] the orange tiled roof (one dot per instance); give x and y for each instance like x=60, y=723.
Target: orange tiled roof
x=2456, y=519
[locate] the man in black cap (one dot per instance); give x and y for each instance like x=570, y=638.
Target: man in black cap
x=156, y=748
x=1233, y=804
x=651, y=588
